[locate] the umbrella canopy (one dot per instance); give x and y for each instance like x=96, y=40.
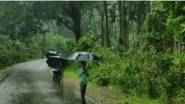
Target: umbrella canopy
x=58, y=58
x=51, y=53
x=53, y=61
x=82, y=56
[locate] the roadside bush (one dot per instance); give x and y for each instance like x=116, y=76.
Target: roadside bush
x=152, y=73
x=86, y=43
x=105, y=73
x=12, y=52
x=176, y=79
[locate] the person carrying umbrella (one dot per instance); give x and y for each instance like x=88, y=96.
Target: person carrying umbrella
x=57, y=72
x=57, y=63
x=83, y=57
x=83, y=74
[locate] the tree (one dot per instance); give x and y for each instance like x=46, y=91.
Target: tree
x=106, y=23
x=121, y=22
x=124, y=18
x=140, y=15
x=72, y=10
x=102, y=27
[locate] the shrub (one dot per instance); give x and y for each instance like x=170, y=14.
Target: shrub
x=17, y=53
x=176, y=78
x=148, y=72
x=105, y=73
x=86, y=43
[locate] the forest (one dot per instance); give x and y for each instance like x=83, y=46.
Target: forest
x=141, y=44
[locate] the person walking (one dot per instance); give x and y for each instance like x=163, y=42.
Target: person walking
x=57, y=73
x=83, y=57
x=83, y=74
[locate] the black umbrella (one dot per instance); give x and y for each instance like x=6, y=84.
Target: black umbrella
x=53, y=61
x=51, y=53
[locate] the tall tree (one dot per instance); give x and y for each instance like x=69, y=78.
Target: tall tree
x=72, y=10
x=142, y=9
x=127, y=24
x=140, y=15
x=106, y=24
x=124, y=22
x=102, y=27
x=121, y=22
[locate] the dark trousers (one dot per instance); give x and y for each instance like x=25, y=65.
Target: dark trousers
x=56, y=77
x=83, y=92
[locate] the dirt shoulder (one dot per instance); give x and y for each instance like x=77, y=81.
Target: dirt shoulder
x=3, y=74
x=95, y=94
x=105, y=95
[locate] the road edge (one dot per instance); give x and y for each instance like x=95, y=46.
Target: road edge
x=3, y=74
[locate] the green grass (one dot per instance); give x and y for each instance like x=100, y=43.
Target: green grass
x=138, y=100
x=71, y=71
x=112, y=92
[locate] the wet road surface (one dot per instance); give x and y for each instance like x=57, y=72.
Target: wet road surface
x=31, y=83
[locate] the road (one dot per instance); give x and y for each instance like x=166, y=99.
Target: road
x=31, y=83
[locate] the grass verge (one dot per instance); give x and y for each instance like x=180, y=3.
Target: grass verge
x=105, y=95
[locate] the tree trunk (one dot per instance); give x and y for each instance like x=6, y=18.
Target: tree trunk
x=90, y=20
x=106, y=24
x=43, y=44
x=124, y=18
x=73, y=10
x=140, y=16
x=121, y=23
x=76, y=16
x=77, y=29
x=94, y=26
x=102, y=29
x=125, y=26
x=128, y=25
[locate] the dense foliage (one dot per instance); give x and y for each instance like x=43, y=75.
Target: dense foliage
x=141, y=44
x=142, y=73
x=154, y=63
x=15, y=51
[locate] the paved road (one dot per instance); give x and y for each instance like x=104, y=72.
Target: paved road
x=31, y=83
